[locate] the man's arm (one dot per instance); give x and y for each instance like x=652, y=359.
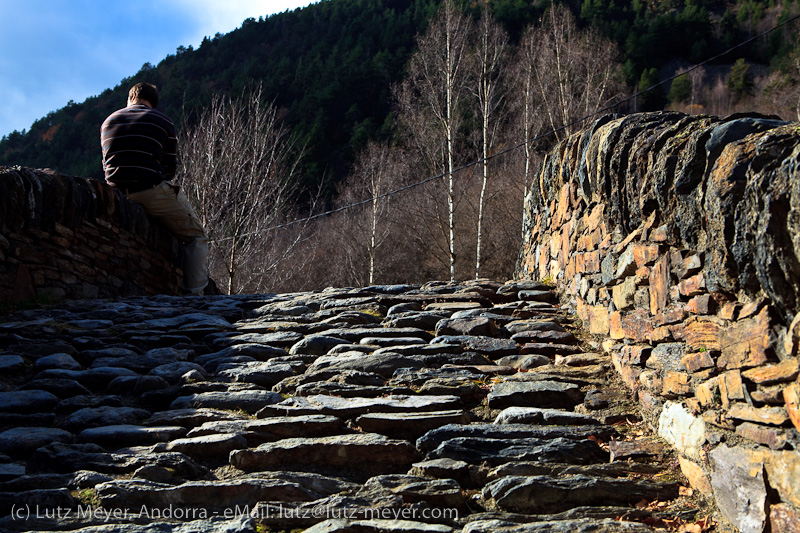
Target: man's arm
x=171, y=153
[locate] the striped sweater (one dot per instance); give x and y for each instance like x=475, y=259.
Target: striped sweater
x=139, y=147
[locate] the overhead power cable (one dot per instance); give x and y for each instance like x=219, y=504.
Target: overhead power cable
x=601, y=111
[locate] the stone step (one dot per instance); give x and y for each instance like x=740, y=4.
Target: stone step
x=546, y=394
x=357, y=456
x=542, y=494
x=354, y=407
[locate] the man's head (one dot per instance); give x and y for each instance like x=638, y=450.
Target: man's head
x=143, y=93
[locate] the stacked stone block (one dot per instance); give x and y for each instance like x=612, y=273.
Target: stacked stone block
x=676, y=239
x=66, y=237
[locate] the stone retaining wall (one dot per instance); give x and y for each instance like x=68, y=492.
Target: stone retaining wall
x=67, y=237
x=677, y=240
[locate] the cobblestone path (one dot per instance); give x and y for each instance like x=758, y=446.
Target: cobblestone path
x=474, y=407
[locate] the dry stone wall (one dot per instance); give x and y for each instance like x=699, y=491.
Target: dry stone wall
x=677, y=240
x=67, y=237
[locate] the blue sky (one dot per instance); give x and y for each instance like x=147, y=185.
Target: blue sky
x=54, y=51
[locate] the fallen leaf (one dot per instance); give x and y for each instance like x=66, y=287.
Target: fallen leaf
x=642, y=504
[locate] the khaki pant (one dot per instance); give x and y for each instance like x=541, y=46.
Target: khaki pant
x=169, y=205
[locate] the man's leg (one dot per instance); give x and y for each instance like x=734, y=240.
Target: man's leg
x=169, y=205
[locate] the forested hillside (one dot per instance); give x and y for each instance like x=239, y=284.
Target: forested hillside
x=331, y=66
x=358, y=99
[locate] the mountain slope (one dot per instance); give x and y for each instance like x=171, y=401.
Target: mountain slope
x=329, y=65
x=330, y=68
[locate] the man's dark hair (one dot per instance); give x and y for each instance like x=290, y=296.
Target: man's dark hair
x=144, y=91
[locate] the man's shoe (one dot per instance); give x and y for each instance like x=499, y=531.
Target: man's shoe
x=212, y=289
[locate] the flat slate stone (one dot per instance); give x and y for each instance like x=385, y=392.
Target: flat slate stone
x=265, y=374
x=383, y=364
x=356, y=334
x=513, y=287
x=536, y=295
x=280, y=339
x=112, y=352
x=485, y=313
x=311, y=481
x=34, y=350
x=548, y=349
x=258, y=352
x=17, y=440
x=89, y=456
x=144, y=363
x=41, y=498
x=352, y=407
x=441, y=493
x=342, y=525
x=536, y=415
x=581, y=525
x=75, y=403
x=363, y=451
x=27, y=401
x=209, y=495
x=95, y=379
x=284, y=515
x=478, y=326
x=316, y=344
x=250, y=401
x=491, y=346
x=139, y=385
x=347, y=390
x=391, y=341
x=438, y=348
x=524, y=362
x=419, y=377
x=192, y=417
x=274, y=428
x=421, y=320
x=207, y=446
x=56, y=360
x=521, y=326
x=548, y=394
x=104, y=416
x=409, y=425
x=495, y=451
x=464, y=388
x=187, y=321
x=623, y=449
x=174, y=372
x=11, y=363
x=545, y=494
x=10, y=471
x=453, y=306
x=130, y=435
x=545, y=336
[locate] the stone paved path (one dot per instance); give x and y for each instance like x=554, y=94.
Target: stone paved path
x=448, y=407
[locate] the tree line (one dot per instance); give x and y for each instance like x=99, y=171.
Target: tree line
x=433, y=201
x=346, y=101
x=330, y=67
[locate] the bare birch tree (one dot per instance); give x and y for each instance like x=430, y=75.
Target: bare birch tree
x=490, y=59
x=369, y=225
x=238, y=166
x=430, y=100
x=572, y=72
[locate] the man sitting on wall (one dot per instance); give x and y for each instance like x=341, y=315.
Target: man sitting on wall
x=140, y=157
